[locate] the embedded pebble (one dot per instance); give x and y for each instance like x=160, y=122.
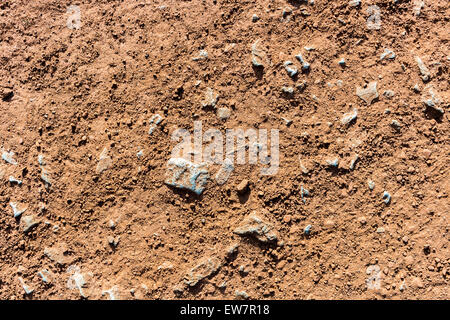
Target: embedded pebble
x=305, y=65
x=354, y=3
x=16, y=210
x=371, y=184
x=387, y=54
x=224, y=172
x=307, y=229
x=423, y=69
x=349, y=117
x=342, y=62
x=140, y=154
x=243, y=186
x=154, y=121
x=432, y=100
x=223, y=113
x=386, y=197
x=287, y=90
x=28, y=223
x=380, y=230
x=203, y=54
x=368, y=94
x=104, y=161
x=113, y=293
x=389, y=93
x=210, y=98
x=205, y=268
x=259, y=55
x=45, y=176
x=303, y=193
x=418, y=6
x=353, y=162
x=45, y=275
x=332, y=162
x=254, y=226
x=184, y=174
x=290, y=68
x=14, y=180
x=76, y=280
x=396, y=125
x=9, y=157
x=241, y=295
x=28, y=290
x=113, y=241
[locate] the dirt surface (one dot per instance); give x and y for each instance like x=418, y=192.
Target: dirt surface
x=76, y=108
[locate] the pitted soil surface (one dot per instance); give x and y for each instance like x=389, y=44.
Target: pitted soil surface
x=67, y=94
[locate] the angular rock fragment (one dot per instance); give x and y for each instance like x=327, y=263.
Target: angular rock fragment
x=303, y=193
x=386, y=197
x=387, y=54
x=184, y=174
x=154, y=121
x=254, y=226
x=305, y=65
x=28, y=290
x=113, y=293
x=104, y=161
x=14, y=180
x=210, y=99
x=45, y=275
x=224, y=172
x=349, y=117
x=223, y=113
x=423, y=69
x=368, y=94
x=76, y=280
x=203, y=54
x=432, y=100
x=290, y=68
x=259, y=55
x=16, y=210
x=205, y=268
x=9, y=157
x=28, y=223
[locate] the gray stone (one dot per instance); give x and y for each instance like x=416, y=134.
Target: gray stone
x=349, y=117
x=202, y=55
x=423, y=69
x=104, y=161
x=290, y=68
x=368, y=94
x=29, y=222
x=184, y=174
x=205, y=268
x=155, y=120
x=223, y=113
x=9, y=157
x=259, y=55
x=387, y=54
x=28, y=290
x=16, y=210
x=254, y=226
x=210, y=98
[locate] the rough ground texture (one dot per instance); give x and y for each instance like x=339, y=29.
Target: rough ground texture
x=101, y=223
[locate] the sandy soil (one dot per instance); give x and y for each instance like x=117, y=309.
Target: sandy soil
x=102, y=225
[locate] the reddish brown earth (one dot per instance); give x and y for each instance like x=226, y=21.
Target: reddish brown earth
x=69, y=93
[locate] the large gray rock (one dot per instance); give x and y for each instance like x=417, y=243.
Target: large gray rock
x=184, y=174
